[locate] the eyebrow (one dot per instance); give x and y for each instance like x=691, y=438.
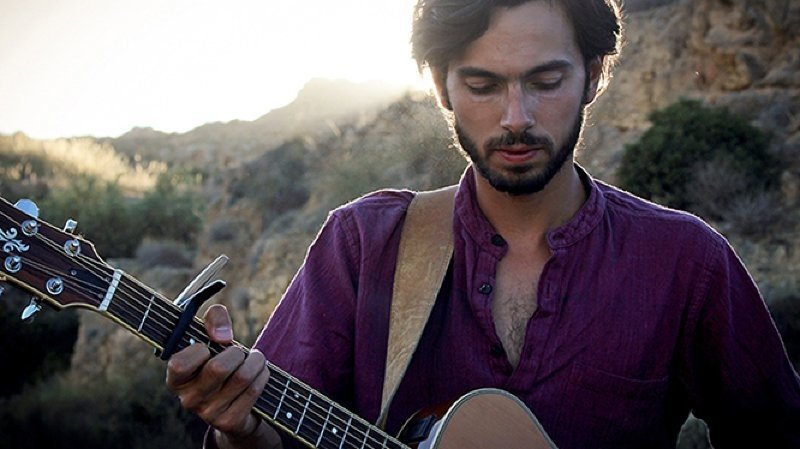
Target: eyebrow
x=470, y=71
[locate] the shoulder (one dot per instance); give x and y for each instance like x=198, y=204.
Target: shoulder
x=380, y=207
x=369, y=223
x=635, y=214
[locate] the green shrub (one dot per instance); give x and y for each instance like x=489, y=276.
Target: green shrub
x=698, y=158
x=102, y=211
x=117, y=224
x=171, y=210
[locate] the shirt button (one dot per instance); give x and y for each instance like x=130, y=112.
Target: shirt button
x=498, y=240
x=485, y=289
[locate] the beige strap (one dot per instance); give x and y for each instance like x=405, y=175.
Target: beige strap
x=426, y=246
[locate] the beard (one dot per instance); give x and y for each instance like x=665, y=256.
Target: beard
x=522, y=179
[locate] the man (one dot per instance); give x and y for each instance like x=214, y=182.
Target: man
x=610, y=317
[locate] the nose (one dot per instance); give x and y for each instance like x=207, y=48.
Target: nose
x=518, y=113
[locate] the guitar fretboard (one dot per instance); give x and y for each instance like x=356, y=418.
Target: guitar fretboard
x=285, y=401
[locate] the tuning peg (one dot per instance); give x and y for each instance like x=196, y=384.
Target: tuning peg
x=28, y=206
x=70, y=225
x=31, y=310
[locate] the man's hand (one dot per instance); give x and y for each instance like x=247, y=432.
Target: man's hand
x=222, y=389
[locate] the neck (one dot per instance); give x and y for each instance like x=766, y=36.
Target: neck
x=530, y=217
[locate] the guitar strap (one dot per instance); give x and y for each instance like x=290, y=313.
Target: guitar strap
x=426, y=247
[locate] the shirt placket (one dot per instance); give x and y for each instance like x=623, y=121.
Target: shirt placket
x=481, y=296
x=540, y=328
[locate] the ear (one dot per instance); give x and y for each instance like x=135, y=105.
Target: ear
x=439, y=75
x=594, y=72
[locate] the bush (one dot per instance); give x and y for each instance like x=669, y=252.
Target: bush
x=33, y=351
x=102, y=211
x=698, y=158
x=117, y=224
x=170, y=211
x=134, y=413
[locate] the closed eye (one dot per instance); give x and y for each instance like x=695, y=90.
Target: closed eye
x=482, y=89
x=545, y=84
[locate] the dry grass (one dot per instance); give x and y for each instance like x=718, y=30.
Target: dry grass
x=86, y=156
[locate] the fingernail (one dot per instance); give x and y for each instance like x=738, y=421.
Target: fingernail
x=224, y=332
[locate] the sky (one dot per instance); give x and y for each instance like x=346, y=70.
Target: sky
x=102, y=67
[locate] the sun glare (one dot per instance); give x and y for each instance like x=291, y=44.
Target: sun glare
x=100, y=68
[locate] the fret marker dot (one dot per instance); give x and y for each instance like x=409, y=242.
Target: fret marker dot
x=335, y=430
x=289, y=415
x=296, y=396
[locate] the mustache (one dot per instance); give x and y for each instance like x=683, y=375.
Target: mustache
x=524, y=137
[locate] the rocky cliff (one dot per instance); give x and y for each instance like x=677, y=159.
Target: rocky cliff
x=741, y=54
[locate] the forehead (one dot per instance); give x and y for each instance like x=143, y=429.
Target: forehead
x=522, y=36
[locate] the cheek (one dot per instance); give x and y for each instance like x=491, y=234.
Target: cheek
x=478, y=118
x=556, y=115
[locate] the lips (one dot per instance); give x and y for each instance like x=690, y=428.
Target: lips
x=518, y=153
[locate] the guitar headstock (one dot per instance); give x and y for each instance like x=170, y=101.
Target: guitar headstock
x=51, y=263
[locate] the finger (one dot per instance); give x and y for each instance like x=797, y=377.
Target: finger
x=218, y=324
x=197, y=394
x=184, y=365
x=237, y=418
x=246, y=380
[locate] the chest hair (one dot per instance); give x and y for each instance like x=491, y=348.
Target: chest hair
x=515, y=301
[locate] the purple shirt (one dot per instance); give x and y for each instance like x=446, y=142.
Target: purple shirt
x=644, y=314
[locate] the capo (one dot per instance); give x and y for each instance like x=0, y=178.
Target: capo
x=192, y=304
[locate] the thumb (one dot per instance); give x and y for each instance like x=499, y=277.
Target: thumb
x=218, y=324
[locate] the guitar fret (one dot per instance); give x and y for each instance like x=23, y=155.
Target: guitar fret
x=303, y=416
x=366, y=435
x=346, y=430
x=324, y=425
x=280, y=401
x=310, y=430
x=146, y=313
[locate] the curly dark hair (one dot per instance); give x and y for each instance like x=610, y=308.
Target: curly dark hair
x=442, y=29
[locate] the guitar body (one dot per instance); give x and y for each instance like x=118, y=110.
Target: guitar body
x=487, y=419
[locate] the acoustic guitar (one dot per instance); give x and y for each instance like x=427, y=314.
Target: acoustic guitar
x=64, y=270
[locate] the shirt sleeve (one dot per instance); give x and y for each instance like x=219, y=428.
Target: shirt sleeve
x=743, y=384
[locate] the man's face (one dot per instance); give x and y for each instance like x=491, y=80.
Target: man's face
x=517, y=94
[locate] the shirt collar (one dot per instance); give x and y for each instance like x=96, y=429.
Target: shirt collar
x=470, y=216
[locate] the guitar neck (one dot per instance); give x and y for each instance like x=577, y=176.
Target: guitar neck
x=285, y=401
x=66, y=271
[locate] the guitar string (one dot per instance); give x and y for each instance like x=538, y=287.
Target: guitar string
x=91, y=290
x=159, y=305
x=100, y=269
x=89, y=287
